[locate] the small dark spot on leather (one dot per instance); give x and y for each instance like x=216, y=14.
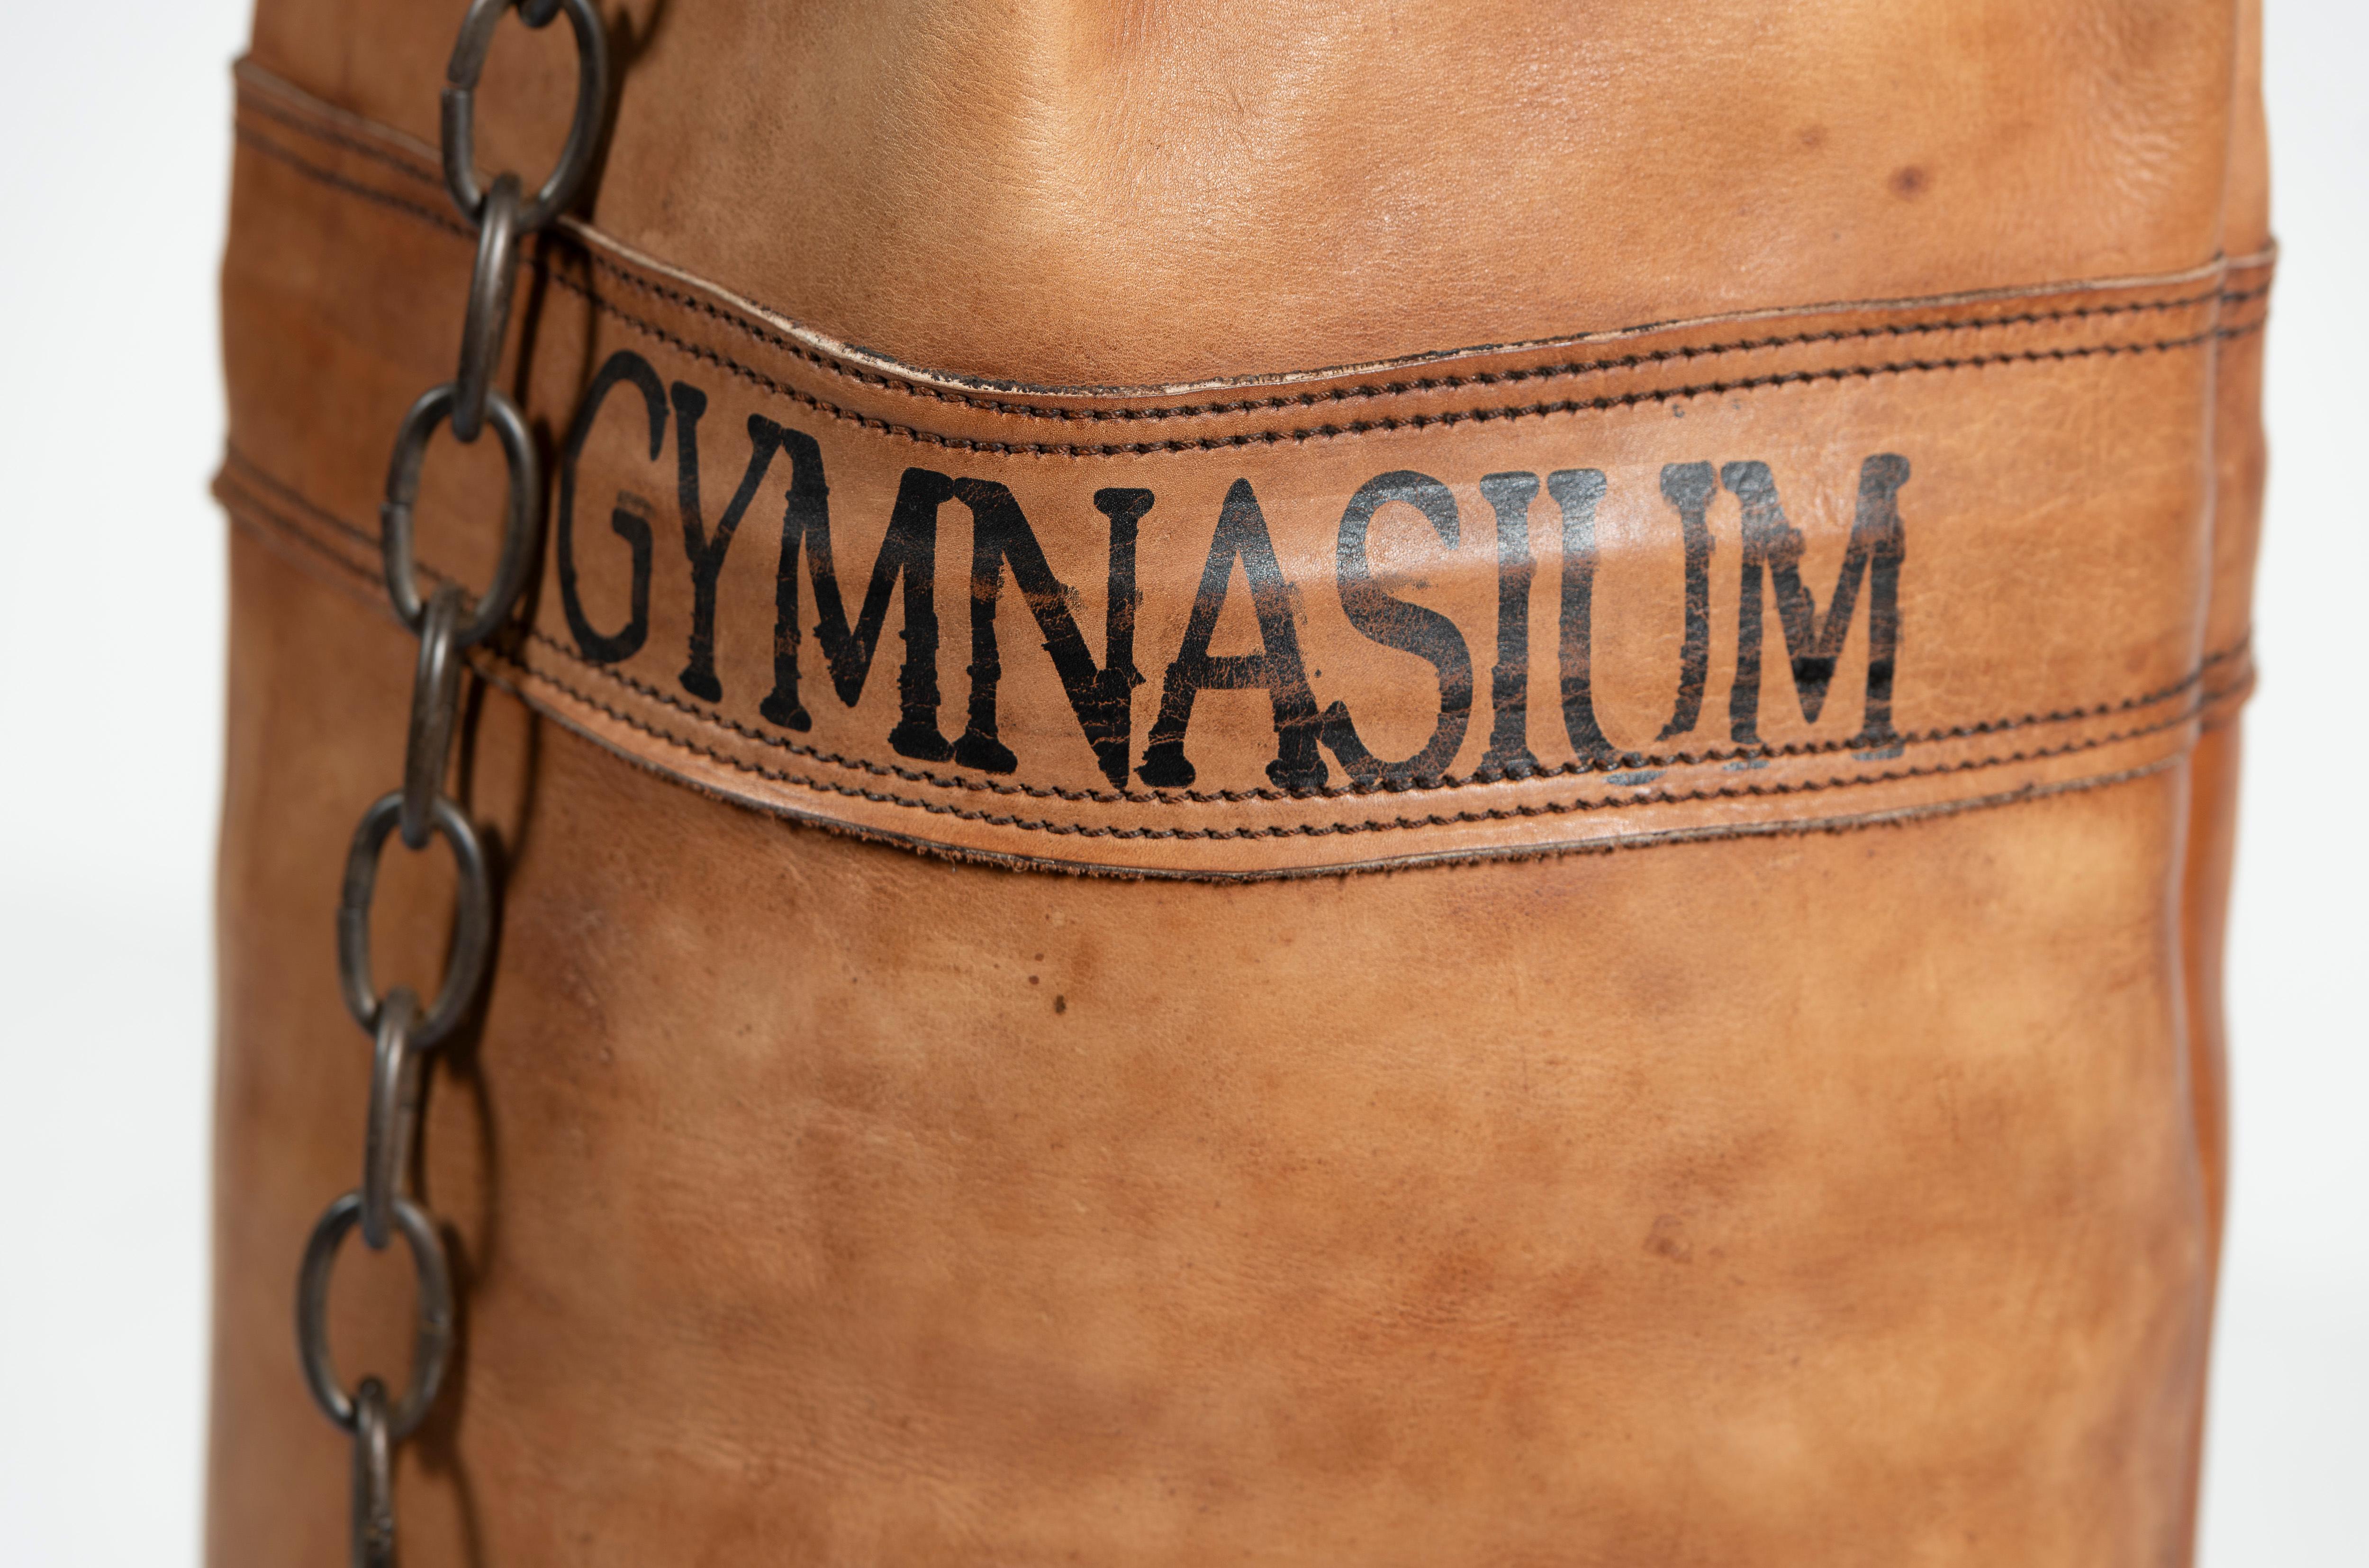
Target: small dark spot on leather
x=1032, y=980
x=1814, y=136
x=1909, y=181
x=1060, y=1004
x=1667, y=1239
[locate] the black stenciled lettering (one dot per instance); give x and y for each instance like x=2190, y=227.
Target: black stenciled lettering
x=1688, y=487
x=1399, y=623
x=1241, y=533
x=1104, y=700
x=705, y=551
x=908, y=551
x=805, y=514
x=1878, y=546
x=1576, y=491
x=1509, y=495
x=599, y=647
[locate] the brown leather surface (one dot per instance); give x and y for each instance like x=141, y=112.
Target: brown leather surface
x=1764, y=1193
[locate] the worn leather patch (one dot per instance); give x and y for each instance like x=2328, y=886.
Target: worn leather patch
x=1802, y=568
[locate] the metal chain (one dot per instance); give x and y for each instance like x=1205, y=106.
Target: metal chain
x=405, y=1030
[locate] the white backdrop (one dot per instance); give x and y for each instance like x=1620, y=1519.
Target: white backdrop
x=115, y=117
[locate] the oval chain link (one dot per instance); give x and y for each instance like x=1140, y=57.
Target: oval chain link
x=473, y=924
x=447, y=622
x=394, y=1112
x=523, y=523
x=489, y=319
x=374, y=1519
x=431, y=1342
x=435, y=707
x=558, y=192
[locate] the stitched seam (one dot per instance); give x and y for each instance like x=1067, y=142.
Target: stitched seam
x=247, y=508
x=1274, y=437
x=1402, y=422
x=1354, y=428
x=1368, y=391
x=373, y=151
x=247, y=137
x=1319, y=829
x=1628, y=760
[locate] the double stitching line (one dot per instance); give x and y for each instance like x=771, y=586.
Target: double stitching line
x=1371, y=391
x=1325, y=829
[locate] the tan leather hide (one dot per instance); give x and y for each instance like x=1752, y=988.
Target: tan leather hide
x=1420, y=784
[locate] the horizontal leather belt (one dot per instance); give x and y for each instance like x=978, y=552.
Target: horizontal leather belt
x=1802, y=568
